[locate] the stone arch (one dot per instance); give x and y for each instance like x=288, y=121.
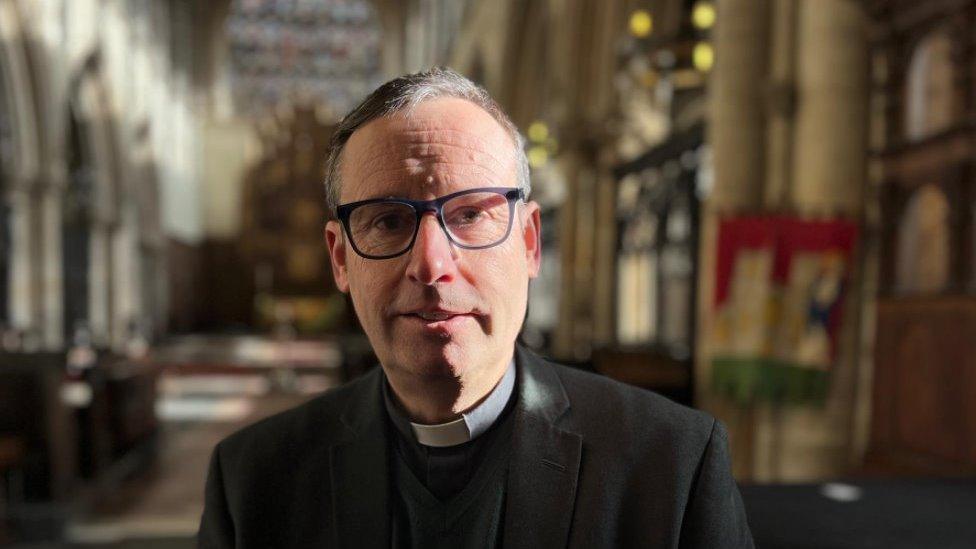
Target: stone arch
x=6, y=161
x=19, y=170
x=76, y=227
x=23, y=160
x=931, y=104
x=90, y=205
x=150, y=241
x=923, y=255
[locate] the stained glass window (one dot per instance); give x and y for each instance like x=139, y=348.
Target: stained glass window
x=323, y=52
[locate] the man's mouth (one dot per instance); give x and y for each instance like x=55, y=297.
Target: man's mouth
x=434, y=315
x=439, y=321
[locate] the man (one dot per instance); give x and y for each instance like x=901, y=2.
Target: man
x=461, y=438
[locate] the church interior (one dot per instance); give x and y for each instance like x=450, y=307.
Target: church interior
x=763, y=209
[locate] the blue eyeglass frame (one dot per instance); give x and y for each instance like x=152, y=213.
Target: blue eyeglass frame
x=421, y=207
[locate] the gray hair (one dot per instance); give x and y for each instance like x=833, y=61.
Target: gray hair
x=403, y=94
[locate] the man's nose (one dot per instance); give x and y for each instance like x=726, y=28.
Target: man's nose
x=433, y=259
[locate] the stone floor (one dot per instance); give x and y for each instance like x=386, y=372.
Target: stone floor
x=161, y=508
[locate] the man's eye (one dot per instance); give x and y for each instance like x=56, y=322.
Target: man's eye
x=467, y=216
x=389, y=222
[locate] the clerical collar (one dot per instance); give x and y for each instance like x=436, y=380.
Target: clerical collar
x=469, y=426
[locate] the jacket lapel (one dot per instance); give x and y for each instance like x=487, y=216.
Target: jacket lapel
x=543, y=473
x=359, y=469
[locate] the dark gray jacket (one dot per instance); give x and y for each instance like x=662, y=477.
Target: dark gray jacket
x=594, y=463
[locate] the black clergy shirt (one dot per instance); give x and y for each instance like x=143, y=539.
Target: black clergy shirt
x=446, y=470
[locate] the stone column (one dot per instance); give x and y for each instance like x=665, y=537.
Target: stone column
x=566, y=328
x=737, y=104
x=581, y=79
x=23, y=242
x=829, y=172
x=52, y=276
x=736, y=137
x=779, y=129
x=831, y=118
x=763, y=421
x=605, y=256
x=126, y=294
x=99, y=283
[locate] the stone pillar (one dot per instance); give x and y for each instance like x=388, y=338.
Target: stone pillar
x=737, y=104
x=52, y=276
x=581, y=80
x=736, y=137
x=815, y=95
x=762, y=421
x=23, y=242
x=99, y=283
x=566, y=329
x=829, y=173
x=126, y=294
x=831, y=118
x=605, y=254
x=779, y=129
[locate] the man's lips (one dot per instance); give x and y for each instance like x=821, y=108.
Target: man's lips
x=439, y=320
x=436, y=316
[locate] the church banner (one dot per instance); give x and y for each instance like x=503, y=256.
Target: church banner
x=779, y=293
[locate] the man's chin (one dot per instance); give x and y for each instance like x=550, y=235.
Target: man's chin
x=435, y=357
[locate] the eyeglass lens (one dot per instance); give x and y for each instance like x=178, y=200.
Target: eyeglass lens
x=473, y=220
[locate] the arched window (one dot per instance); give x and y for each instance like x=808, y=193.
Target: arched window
x=923, y=243
x=930, y=102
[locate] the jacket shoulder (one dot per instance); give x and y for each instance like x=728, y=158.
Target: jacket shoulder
x=317, y=420
x=602, y=404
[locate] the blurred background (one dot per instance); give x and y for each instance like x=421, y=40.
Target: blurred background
x=765, y=209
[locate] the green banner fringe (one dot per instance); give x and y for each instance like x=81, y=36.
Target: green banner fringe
x=750, y=380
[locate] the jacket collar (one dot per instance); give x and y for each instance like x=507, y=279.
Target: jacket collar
x=543, y=471
x=360, y=469
x=545, y=461
x=541, y=393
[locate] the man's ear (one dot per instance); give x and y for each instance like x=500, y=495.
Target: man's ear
x=337, y=254
x=532, y=237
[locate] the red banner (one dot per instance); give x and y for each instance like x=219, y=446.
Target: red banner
x=779, y=293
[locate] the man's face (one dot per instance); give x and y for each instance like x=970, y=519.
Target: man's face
x=446, y=145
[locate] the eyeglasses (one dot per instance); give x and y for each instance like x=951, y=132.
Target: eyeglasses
x=382, y=228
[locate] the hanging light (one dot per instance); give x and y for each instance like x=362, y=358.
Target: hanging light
x=703, y=56
x=641, y=23
x=703, y=15
x=538, y=156
x=538, y=131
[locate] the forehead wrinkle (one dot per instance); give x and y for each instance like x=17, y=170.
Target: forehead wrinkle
x=421, y=156
x=409, y=167
x=386, y=179
x=434, y=144
x=395, y=181
x=399, y=154
x=454, y=139
x=429, y=153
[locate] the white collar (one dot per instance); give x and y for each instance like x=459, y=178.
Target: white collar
x=472, y=423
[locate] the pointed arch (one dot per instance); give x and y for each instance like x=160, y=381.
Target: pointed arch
x=22, y=161
x=91, y=205
x=19, y=170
